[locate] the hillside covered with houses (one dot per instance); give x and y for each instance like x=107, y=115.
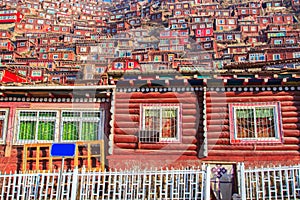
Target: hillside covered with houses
x=91, y=41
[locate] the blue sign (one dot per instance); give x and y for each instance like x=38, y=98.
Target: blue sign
x=63, y=150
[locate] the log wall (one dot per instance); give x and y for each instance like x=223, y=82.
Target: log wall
x=219, y=147
x=127, y=124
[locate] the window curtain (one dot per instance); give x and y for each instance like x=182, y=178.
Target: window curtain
x=70, y=131
x=27, y=130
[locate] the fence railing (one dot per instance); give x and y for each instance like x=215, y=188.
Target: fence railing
x=281, y=182
x=81, y=185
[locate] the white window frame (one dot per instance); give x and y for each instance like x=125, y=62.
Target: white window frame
x=130, y=65
x=277, y=125
x=36, y=119
x=4, y=118
x=160, y=108
x=276, y=57
x=58, y=123
x=81, y=119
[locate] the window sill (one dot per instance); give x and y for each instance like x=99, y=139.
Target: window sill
x=259, y=142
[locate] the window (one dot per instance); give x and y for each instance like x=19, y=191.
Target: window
x=81, y=125
x=157, y=58
x=131, y=65
x=36, y=73
x=3, y=123
x=256, y=122
x=55, y=56
x=43, y=125
x=118, y=65
x=160, y=123
x=276, y=56
x=36, y=125
x=253, y=28
x=219, y=37
x=22, y=44
x=296, y=55
x=207, y=31
x=290, y=41
x=45, y=56
x=231, y=21
x=66, y=55
x=178, y=12
x=277, y=41
x=207, y=45
x=229, y=37
x=220, y=21
x=243, y=11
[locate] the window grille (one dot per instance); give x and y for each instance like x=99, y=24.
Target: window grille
x=81, y=125
x=160, y=123
x=36, y=125
x=255, y=121
x=3, y=123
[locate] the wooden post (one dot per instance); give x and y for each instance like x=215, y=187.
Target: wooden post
x=207, y=184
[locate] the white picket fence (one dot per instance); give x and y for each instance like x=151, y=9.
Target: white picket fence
x=82, y=185
x=281, y=182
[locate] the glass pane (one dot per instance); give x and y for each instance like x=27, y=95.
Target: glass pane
x=70, y=114
x=89, y=131
x=27, y=130
x=28, y=114
x=91, y=114
x=70, y=131
x=245, y=123
x=265, y=122
x=47, y=114
x=152, y=119
x=169, y=123
x=46, y=130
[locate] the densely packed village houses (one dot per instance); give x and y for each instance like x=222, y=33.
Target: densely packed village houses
x=174, y=83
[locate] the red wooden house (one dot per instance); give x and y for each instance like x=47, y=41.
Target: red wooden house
x=182, y=123
x=180, y=8
x=10, y=16
x=283, y=19
x=24, y=44
x=203, y=31
x=6, y=45
x=82, y=112
x=263, y=21
x=228, y=36
x=124, y=64
x=9, y=76
x=226, y=23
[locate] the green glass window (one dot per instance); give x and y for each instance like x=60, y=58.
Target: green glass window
x=81, y=125
x=36, y=125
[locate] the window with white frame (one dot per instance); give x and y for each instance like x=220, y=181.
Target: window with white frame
x=131, y=65
x=3, y=123
x=36, y=73
x=276, y=56
x=80, y=125
x=296, y=55
x=36, y=125
x=219, y=37
x=256, y=122
x=160, y=123
x=59, y=125
x=119, y=65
